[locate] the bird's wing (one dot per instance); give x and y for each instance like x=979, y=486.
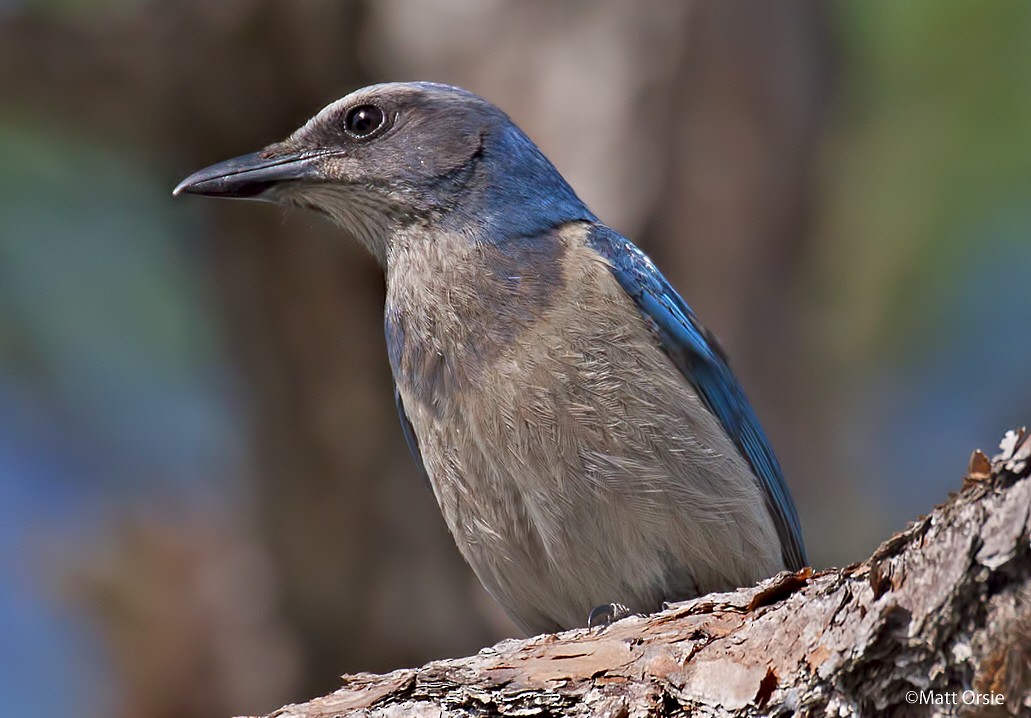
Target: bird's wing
x=697, y=355
x=410, y=438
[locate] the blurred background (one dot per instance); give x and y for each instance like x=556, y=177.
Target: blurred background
x=206, y=505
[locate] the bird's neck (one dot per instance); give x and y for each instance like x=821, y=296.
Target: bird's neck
x=454, y=305
x=509, y=189
x=506, y=191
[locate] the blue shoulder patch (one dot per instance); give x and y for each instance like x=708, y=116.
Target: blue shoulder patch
x=697, y=355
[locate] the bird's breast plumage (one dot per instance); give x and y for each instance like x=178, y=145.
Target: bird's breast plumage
x=573, y=463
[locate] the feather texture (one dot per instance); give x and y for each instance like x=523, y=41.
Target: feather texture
x=697, y=354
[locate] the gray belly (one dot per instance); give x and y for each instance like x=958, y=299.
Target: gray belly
x=569, y=479
x=572, y=461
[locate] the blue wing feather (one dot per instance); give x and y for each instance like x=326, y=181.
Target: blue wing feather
x=698, y=357
x=410, y=438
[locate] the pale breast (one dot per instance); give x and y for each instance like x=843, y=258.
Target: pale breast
x=572, y=462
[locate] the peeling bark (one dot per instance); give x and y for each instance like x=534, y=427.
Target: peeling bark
x=940, y=608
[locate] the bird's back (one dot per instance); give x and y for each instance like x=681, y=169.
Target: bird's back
x=573, y=462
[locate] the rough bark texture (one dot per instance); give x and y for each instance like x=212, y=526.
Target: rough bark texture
x=940, y=608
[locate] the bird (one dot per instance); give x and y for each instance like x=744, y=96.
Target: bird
x=590, y=449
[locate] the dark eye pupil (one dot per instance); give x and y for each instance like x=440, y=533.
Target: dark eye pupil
x=363, y=120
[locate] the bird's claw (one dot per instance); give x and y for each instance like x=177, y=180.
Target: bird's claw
x=607, y=613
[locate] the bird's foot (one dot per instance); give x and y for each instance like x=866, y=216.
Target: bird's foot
x=607, y=613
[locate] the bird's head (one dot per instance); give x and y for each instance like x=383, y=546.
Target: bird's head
x=392, y=157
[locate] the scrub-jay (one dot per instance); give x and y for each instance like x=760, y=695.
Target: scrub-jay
x=584, y=436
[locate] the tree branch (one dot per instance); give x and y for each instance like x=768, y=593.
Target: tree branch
x=940, y=608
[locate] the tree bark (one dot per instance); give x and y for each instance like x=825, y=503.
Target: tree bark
x=936, y=622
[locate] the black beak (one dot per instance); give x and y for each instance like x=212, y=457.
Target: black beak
x=247, y=177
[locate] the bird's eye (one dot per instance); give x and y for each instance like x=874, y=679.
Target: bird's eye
x=363, y=120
